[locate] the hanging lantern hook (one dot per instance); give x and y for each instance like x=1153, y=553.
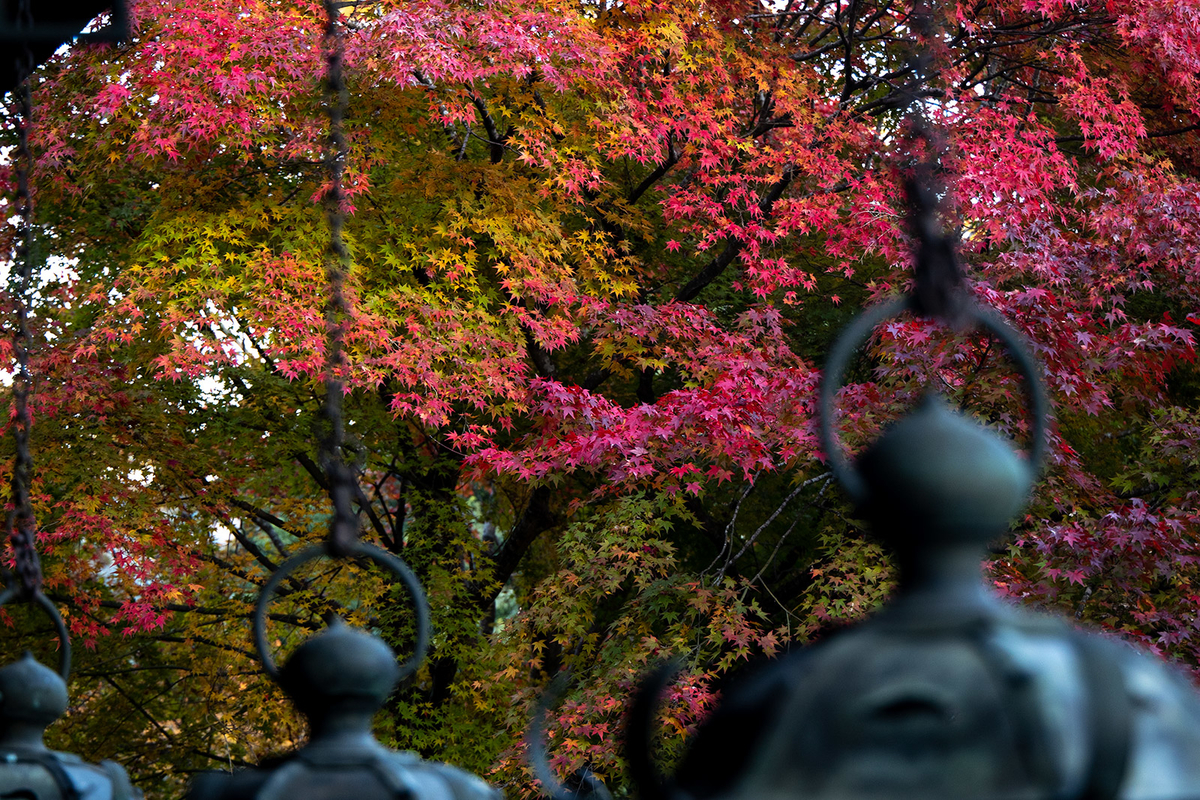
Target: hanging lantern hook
x=590, y=787
x=343, y=527
x=60, y=627
x=639, y=730
x=26, y=583
x=343, y=540
x=385, y=559
x=939, y=290
x=858, y=331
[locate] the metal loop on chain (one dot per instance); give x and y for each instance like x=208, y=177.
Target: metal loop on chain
x=535, y=740
x=643, y=716
x=60, y=627
x=379, y=556
x=858, y=331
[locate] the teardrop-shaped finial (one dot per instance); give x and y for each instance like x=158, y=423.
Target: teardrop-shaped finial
x=937, y=488
x=341, y=671
x=32, y=697
x=938, y=476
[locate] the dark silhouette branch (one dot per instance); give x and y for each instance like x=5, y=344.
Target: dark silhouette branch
x=732, y=247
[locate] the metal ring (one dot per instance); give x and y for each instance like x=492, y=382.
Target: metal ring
x=537, y=753
x=381, y=557
x=60, y=627
x=857, y=332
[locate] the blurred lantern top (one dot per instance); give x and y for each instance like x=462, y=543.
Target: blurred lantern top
x=338, y=680
x=31, y=698
x=55, y=22
x=950, y=692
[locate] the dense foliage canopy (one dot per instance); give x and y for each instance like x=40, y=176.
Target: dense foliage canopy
x=599, y=252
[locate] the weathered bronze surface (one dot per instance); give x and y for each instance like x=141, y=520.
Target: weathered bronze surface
x=339, y=679
x=32, y=697
x=949, y=691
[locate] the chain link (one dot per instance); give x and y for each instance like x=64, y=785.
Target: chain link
x=20, y=522
x=939, y=289
x=343, y=530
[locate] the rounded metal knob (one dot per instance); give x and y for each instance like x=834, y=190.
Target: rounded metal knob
x=942, y=477
x=340, y=667
x=32, y=697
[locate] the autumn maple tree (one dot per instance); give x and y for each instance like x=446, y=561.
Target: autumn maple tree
x=599, y=252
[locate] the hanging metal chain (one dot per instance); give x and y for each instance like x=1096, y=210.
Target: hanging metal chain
x=343, y=530
x=20, y=522
x=920, y=60
x=939, y=290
